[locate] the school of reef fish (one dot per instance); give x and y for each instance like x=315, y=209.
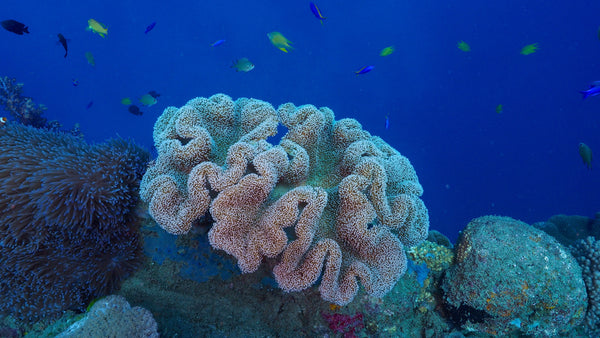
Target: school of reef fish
x=279, y=41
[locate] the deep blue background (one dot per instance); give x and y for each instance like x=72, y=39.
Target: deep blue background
x=441, y=101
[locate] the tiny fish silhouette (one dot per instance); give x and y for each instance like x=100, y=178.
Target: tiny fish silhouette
x=135, y=110
x=217, y=43
x=364, y=70
x=592, y=91
x=586, y=154
x=150, y=27
x=63, y=42
x=317, y=12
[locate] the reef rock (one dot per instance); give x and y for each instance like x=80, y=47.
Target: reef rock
x=112, y=316
x=510, y=278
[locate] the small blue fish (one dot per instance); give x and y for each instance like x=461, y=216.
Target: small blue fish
x=150, y=27
x=317, y=12
x=364, y=70
x=217, y=43
x=75, y=82
x=89, y=105
x=592, y=91
x=387, y=122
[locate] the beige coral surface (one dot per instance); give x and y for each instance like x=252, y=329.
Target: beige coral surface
x=329, y=199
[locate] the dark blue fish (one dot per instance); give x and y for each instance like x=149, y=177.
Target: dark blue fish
x=592, y=91
x=89, y=105
x=317, y=12
x=387, y=122
x=154, y=94
x=150, y=27
x=75, y=82
x=63, y=42
x=135, y=110
x=217, y=43
x=15, y=27
x=364, y=70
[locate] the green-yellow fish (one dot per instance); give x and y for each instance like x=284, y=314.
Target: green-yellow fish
x=586, y=154
x=463, y=46
x=499, y=109
x=529, y=49
x=148, y=100
x=97, y=27
x=90, y=59
x=280, y=41
x=243, y=65
x=387, y=51
x=126, y=101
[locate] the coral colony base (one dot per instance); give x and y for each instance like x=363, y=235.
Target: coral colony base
x=329, y=198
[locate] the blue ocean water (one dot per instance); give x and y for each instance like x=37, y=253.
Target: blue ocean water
x=440, y=101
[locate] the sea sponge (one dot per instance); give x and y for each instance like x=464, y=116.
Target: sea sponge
x=68, y=231
x=329, y=199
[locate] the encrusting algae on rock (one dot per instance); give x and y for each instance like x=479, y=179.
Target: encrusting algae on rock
x=511, y=278
x=329, y=201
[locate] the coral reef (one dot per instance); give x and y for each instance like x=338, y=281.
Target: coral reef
x=248, y=305
x=329, y=199
x=22, y=108
x=510, y=278
x=428, y=261
x=27, y=112
x=343, y=323
x=112, y=316
x=568, y=229
x=68, y=231
x=439, y=238
x=437, y=257
x=587, y=253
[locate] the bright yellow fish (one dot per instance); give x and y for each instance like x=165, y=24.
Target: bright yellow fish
x=529, y=49
x=387, y=51
x=463, y=46
x=90, y=59
x=279, y=41
x=97, y=27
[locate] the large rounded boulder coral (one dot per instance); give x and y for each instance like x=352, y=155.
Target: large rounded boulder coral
x=329, y=200
x=511, y=278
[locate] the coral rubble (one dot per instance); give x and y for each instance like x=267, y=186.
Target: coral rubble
x=329, y=199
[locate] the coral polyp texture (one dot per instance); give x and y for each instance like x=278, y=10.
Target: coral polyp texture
x=587, y=253
x=68, y=230
x=329, y=200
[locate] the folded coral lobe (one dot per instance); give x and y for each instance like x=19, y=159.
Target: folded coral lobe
x=349, y=200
